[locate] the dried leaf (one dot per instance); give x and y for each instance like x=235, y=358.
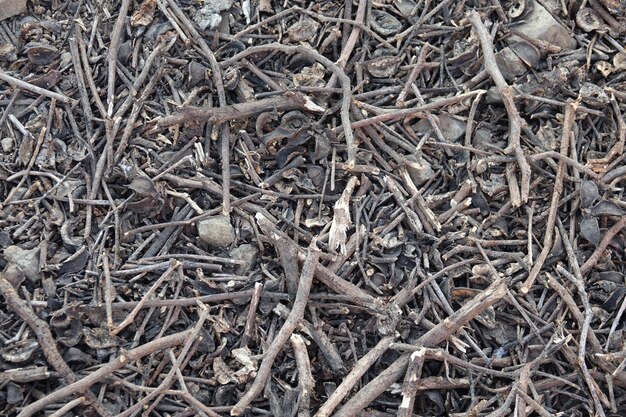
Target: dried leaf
x=265, y=6
x=607, y=208
x=42, y=54
x=303, y=30
x=590, y=230
x=384, y=66
x=223, y=374
x=19, y=351
x=385, y=24
x=588, y=193
x=588, y=20
x=144, y=15
x=100, y=338
x=143, y=186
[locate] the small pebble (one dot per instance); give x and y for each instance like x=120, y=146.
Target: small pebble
x=7, y=145
x=216, y=231
x=246, y=253
x=26, y=260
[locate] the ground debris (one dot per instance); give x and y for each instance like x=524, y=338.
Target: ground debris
x=347, y=208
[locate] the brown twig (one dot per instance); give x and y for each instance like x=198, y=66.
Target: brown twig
x=359, y=369
x=48, y=345
x=409, y=387
x=219, y=115
x=506, y=92
x=344, y=80
x=604, y=243
x=297, y=312
x=568, y=123
x=114, y=47
x=491, y=295
x=306, y=383
x=35, y=89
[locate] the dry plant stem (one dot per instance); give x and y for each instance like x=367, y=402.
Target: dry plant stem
x=347, y=49
x=568, y=122
x=506, y=92
x=169, y=377
x=119, y=362
x=297, y=312
x=245, y=110
x=344, y=80
x=248, y=333
x=391, y=115
x=129, y=319
x=442, y=331
x=584, y=332
x=409, y=388
x=47, y=342
x=35, y=89
x=417, y=69
x=25, y=375
x=359, y=369
x=522, y=387
x=68, y=407
x=604, y=243
x=305, y=377
x=114, y=47
x=108, y=289
x=288, y=253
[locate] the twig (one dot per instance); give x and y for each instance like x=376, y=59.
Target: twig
x=604, y=243
x=248, y=332
x=306, y=382
x=359, y=369
x=297, y=312
x=169, y=377
x=114, y=47
x=35, y=89
x=409, y=388
x=344, y=80
x=506, y=92
x=245, y=110
x=107, y=369
x=568, y=123
x=131, y=316
x=48, y=345
x=491, y=295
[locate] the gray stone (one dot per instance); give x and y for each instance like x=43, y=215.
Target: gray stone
x=216, y=231
x=26, y=260
x=7, y=144
x=246, y=253
x=10, y=8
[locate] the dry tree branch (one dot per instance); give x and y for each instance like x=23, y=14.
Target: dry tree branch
x=507, y=97
x=297, y=312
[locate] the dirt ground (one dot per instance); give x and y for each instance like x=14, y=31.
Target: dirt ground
x=287, y=208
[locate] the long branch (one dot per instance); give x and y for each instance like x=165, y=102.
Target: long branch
x=507, y=97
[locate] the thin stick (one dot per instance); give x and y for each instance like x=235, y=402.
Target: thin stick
x=568, y=123
x=306, y=382
x=297, y=312
x=604, y=243
x=409, y=388
x=344, y=80
x=359, y=369
x=119, y=362
x=507, y=97
x=129, y=319
x=35, y=89
x=442, y=331
x=48, y=344
x=114, y=46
